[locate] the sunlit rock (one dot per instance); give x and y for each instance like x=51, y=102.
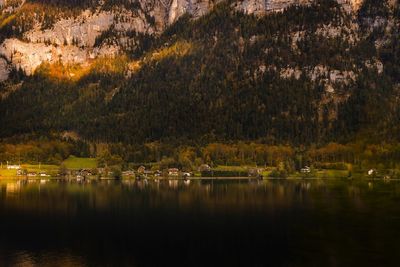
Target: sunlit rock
x=29, y=56
x=77, y=39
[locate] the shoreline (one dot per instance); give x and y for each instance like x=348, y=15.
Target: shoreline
x=2, y=178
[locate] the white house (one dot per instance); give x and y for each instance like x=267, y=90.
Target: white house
x=305, y=170
x=13, y=167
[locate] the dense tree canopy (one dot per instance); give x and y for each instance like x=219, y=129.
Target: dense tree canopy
x=220, y=78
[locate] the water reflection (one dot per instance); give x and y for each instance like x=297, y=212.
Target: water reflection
x=13, y=189
x=59, y=196
x=27, y=259
x=247, y=223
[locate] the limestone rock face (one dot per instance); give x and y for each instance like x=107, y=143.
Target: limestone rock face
x=279, y=5
x=82, y=30
x=4, y=70
x=29, y=56
x=73, y=39
x=197, y=8
x=260, y=7
x=257, y=7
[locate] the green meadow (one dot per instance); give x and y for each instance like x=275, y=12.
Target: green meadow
x=75, y=163
x=7, y=173
x=37, y=168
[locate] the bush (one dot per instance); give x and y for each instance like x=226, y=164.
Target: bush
x=278, y=174
x=116, y=173
x=223, y=174
x=331, y=166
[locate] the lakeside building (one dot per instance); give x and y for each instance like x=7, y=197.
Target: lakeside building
x=204, y=168
x=173, y=172
x=13, y=167
x=305, y=170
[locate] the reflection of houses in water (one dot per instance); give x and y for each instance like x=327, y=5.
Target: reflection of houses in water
x=173, y=184
x=208, y=188
x=13, y=189
x=370, y=185
x=141, y=184
x=306, y=186
x=44, y=181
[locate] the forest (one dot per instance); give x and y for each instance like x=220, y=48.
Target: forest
x=218, y=80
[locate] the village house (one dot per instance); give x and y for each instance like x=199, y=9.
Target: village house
x=85, y=172
x=305, y=170
x=204, y=168
x=254, y=172
x=13, y=167
x=186, y=174
x=21, y=172
x=173, y=172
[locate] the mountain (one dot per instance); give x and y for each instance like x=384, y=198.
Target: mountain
x=74, y=32
x=131, y=71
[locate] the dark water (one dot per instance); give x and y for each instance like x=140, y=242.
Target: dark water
x=268, y=223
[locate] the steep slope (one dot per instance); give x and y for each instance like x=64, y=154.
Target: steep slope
x=40, y=31
x=314, y=73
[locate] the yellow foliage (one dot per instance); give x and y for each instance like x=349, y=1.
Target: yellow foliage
x=119, y=65
x=60, y=71
x=178, y=49
x=75, y=72
x=113, y=65
x=5, y=21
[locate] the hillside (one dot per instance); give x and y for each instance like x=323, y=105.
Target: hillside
x=298, y=72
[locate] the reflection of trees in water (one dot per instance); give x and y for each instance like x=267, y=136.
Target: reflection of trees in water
x=72, y=198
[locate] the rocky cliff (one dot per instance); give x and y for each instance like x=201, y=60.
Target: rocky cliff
x=290, y=71
x=72, y=38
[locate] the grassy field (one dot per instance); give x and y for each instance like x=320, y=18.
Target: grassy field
x=48, y=169
x=330, y=174
x=232, y=168
x=7, y=173
x=80, y=163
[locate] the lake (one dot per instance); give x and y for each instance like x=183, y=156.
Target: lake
x=201, y=223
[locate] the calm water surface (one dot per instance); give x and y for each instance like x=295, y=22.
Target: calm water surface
x=241, y=223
